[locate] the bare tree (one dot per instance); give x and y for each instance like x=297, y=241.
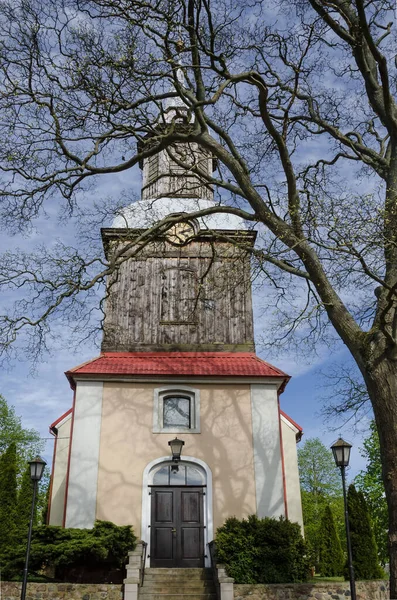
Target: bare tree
x=298, y=106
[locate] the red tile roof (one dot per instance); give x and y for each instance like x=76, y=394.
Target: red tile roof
x=174, y=364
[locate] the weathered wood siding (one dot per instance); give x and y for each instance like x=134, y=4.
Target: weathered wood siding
x=195, y=297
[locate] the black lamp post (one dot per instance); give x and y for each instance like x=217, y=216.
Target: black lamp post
x=36, y=472
x=341, y=452
x=176, y=449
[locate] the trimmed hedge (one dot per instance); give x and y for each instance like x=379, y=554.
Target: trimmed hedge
x=96, y=555
x=262, y=550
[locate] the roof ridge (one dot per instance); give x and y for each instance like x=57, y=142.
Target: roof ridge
x=189, y=354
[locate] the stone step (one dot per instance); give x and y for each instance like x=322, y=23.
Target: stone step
x=177, y=571
x=182, y=596
x=176, y=580
x=178, y=574
x=165, y=587
x=178, y=584
x=164, y=581
x=201, y=583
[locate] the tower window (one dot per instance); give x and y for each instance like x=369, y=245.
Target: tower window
x=176, y=410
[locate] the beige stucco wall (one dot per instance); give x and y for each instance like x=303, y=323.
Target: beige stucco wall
x=293, y=491
x=59, y=472
x=127, y=445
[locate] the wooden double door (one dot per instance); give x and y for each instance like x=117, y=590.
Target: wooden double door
x=177, y=527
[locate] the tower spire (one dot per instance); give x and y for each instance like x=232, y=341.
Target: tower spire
x=175, y=108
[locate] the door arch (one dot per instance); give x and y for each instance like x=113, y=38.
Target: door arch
x=148, y=474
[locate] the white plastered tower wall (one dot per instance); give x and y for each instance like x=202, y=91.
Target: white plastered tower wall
x=84, y=455
x=267, y=451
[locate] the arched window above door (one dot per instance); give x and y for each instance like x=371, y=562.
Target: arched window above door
x=181, y=474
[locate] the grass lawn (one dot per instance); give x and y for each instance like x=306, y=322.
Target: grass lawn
x=318, y=578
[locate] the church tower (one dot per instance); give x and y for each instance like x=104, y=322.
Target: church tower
x=189, y=289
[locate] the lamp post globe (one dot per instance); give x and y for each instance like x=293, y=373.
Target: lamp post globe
x=37, y=466
x=341, y=451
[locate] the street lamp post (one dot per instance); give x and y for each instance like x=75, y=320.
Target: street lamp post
x=341, y=452
x=36, y=472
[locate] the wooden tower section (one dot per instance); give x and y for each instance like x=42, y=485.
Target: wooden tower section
x=196, y=297
x=189, y=289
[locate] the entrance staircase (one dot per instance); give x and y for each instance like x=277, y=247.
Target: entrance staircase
x=177, y=584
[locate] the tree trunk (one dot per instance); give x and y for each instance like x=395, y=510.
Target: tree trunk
x=381, y=381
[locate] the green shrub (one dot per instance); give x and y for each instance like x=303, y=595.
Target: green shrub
x=262, y=550
x=84, y=555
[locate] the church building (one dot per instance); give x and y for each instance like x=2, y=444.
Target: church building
x=177, y=361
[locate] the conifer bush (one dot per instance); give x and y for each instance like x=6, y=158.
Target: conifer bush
x=24, y=507
x=262, y=550
x=364, y=549
x=8, y=496
x=75, y=555
x=331, y=555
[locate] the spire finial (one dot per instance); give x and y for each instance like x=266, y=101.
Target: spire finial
x=180, y=45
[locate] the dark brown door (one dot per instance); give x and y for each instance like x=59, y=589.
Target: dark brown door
x=177, y=531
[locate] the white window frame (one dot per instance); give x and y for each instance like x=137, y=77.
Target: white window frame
x=158, y=408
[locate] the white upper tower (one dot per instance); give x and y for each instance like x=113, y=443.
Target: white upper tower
x=175, y=180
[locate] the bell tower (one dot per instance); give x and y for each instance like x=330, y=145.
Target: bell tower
x=188, y=289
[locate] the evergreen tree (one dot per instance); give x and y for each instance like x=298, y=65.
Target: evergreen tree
x=17, y=446
x=24, y=506
x=320, y=486
x=8, y=496
x=371, y=484
x=331, y=555
x=44, y=498
x=364, y=549
x=11, y=431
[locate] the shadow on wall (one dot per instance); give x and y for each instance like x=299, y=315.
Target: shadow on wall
x=225, y=444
